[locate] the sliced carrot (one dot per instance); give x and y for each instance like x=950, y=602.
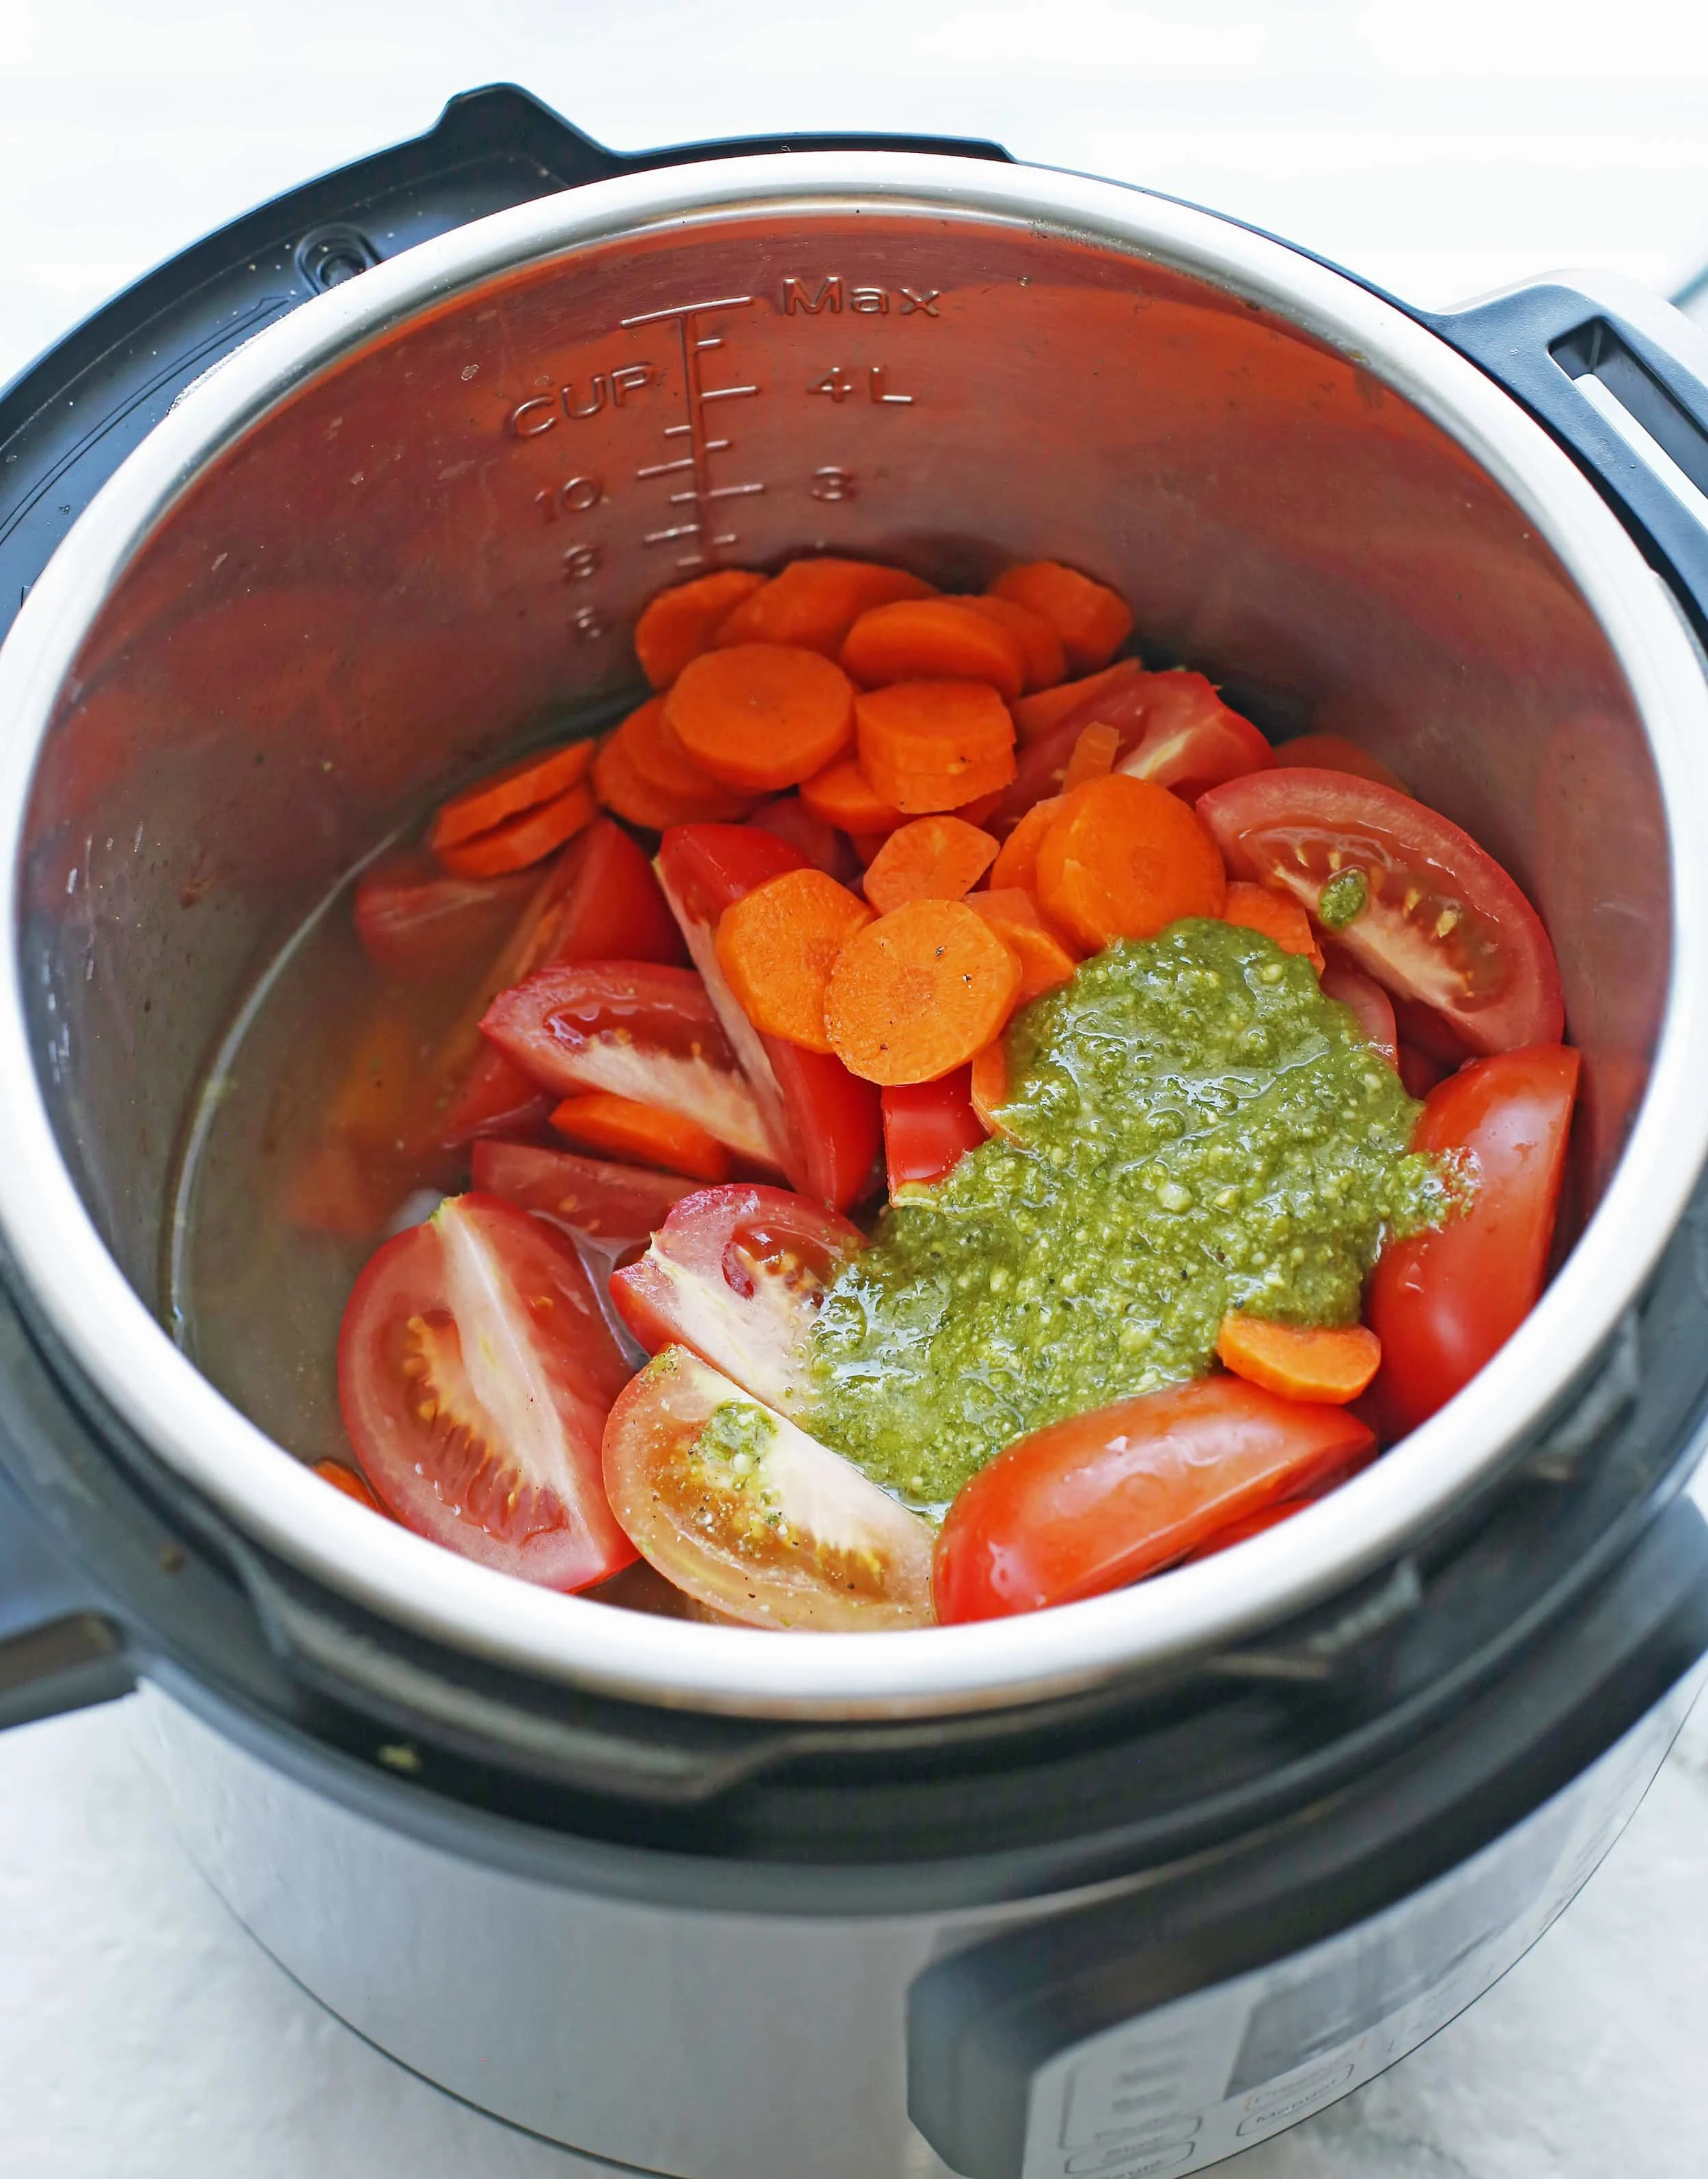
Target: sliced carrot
x=521, y=842
x=626, y=795
x=347, y=1480
x=519, y=787
x=651, y=746
x=1277, y=915
x=1092, y=620
x=933, y=640
x=1335, y=753
x=1035, y=716
x=843, y=795
x=680, y=623
x=988, y=1083
x=928, y=745
x=1017, y=862
x=919, y=991
x=814, y=603
x=1300, y=1362
x=1094, y=756
x=641, y=1134
x=1046, y=662
x=1017, y=919
x=777, y=945
x=1123, y=860
x=761, y=715
x=940, y=857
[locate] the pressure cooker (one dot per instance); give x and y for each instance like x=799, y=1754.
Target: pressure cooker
x=358, y=492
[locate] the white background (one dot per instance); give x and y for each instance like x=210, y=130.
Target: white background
x=1443, y=149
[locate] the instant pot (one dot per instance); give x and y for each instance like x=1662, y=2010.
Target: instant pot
x=368, y=487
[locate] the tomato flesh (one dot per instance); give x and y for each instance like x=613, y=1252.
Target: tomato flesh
x=737, y=1274
x=928, y=1126
x=1443, y=1302
x=1440, y=923
x=417, y=923
x=475, y=1371
x=763, y=1524
x=617, y=1206
x=1191, y=739
x=1101, y=1500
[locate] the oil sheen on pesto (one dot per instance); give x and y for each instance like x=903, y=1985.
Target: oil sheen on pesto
x=1195, y=1129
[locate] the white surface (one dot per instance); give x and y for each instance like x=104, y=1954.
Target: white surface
x=1440, y=150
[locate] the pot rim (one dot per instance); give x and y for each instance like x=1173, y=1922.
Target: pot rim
x=77, y=1286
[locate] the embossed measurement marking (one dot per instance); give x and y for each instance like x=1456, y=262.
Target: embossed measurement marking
x=698, y=534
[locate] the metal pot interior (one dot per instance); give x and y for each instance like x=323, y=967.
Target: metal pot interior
x=435, y=544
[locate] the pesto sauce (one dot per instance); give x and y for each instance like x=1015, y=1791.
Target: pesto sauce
x=1196, y=1128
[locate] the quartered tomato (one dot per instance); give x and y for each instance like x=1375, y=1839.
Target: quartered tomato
x=824, y=846
x=1365, y=999
x=823, y=1122
x=617, y=1206
x=475, y=1371
x=635, y=1030
x=417, y=922
x=736, y=1273
x=1101, y=1500
x=748, y=1515
x=1443, y=1302
x=1414, y=901
x=927, y=1125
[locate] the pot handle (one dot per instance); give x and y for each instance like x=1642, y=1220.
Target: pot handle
x=1584, y=369
x=59, y=1650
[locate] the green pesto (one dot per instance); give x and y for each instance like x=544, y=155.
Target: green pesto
x=1341, y=900
x=1196, y=1129
x=734, y=1428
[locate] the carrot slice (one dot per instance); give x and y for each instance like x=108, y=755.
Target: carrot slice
x=347, y=1480
x=940, y=857
x=642, y=1134
x=933, y=640
x=522, y=841
x=1300, y=1362
x=814, y=603
x=1123, y=858
x=843, y=795
x=1335, y=753
x=761, y=715
x=777, y=945
x=1277, y=915
x=1046, y=662
x=928, y=745
x=988, y=1085
x=919, y=992
x=1094, y=756
x=1035, y=716
x=680, y=623
x=1017, y=862
x=1092, y=620
x=519, y=787
x=1015, y=917
x=626, y=795
x=652, y=748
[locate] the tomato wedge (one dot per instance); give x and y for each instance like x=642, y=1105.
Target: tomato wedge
x=824, y=847
x=744, y=1511
x=475, y=1371
x=1191, y=739
x=617, y=1206
x=637, y=1030
x=1417, y=903
x=736, y=1273
x=823, y=1120
x=1101, y=1500
x=927, y=1125
x=418, y=923
x=1366, y=1000
x=1443, y=1302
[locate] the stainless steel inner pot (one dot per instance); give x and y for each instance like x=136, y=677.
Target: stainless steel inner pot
x=415, y=522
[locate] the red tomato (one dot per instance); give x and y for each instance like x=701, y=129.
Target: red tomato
x=617, y=1206
x=824, y=846
x=736, y=1273
x=1418, y=1072
x=600, y=903
x=417, y=923
x=823, y=1120
x=757, y=1520
x=1443, y=1302
x=1364, y=998
x=926, y=1127
x=1441, y=921
x=636, y=1030
x=1101, y=1500
x=475, y=1371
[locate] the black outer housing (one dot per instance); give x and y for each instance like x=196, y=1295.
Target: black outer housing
x=112, y=1568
